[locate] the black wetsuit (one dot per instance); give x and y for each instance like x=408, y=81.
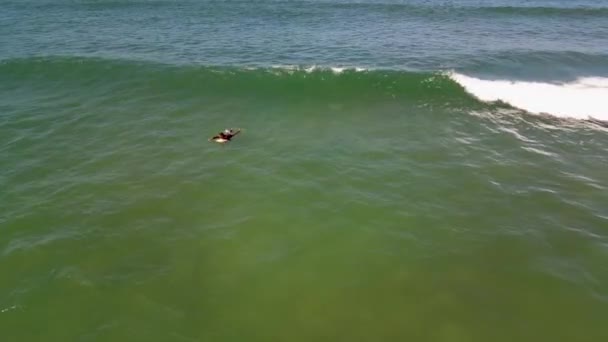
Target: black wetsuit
x=224, y=136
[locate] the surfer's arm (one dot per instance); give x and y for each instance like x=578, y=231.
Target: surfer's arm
x=237, y=131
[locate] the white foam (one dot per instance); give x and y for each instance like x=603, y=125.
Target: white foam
x=313, y=68
x=8, y=309
x=580, y=99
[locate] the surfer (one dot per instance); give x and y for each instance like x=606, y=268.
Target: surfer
x=225, y=136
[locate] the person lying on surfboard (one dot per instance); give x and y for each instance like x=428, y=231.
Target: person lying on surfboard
x=225, y=136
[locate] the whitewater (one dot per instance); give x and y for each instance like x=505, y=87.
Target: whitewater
x=584, y=98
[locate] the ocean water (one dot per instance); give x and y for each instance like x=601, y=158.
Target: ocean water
x=419, y=170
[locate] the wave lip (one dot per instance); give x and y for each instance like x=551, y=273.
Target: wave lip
x=582, y=98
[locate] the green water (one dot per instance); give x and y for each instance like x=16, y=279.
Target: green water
x=327, y=219
x=370, y=197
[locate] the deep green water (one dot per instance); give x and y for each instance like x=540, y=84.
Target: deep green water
x=372, y=195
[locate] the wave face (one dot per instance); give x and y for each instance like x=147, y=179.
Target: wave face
x=580, y=99
x=286, y=82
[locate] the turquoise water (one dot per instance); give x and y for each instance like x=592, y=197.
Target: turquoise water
x=420, y=170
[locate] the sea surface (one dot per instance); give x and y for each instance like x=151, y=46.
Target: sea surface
x=420, y=170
